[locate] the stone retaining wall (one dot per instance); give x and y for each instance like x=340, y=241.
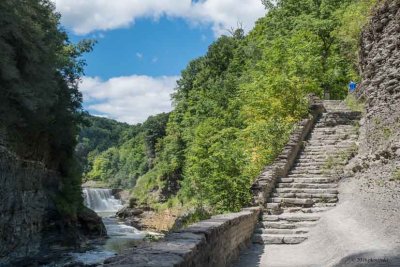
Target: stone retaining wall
x=213, y=242
x=265, y=183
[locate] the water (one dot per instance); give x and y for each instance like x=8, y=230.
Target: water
x=101, y=200
x=121, y=236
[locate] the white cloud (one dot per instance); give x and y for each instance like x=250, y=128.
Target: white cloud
x=139, y=55
x=85, y=16
x=128, y=99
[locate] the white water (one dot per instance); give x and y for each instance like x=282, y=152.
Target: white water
x=101, y=200
x=121, y=236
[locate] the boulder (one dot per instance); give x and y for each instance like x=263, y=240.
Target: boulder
x=91, y=224
x=127, y=212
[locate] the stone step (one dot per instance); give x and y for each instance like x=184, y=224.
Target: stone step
x=328, y=197
x=305, y=171
x=304, y=185
x=308, y=175
x=278, y=239
x=323, y=147
x=305, y=210
x=272, y=231
x=308, y=159
x=308, y=168
x=344, y=138
x=324, y=205
x=309, y=164
x=306, y=202
x=306, y=191
x=308, y=180
x=291, y=217
x=286, y=225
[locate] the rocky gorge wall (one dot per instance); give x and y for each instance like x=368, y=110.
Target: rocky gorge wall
x=24, y=202
x=30, y=223
x=380, y=89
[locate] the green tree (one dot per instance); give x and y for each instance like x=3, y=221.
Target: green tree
x=40, y=103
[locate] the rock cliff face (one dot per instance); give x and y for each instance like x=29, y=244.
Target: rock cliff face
x=30, y=223
x=380, y=87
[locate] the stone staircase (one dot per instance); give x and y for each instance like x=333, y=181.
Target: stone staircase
x=311, y=186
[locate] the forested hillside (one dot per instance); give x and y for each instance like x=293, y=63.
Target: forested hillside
x=116, y=154
x=235, y=107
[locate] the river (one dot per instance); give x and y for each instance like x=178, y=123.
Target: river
x=120, y=235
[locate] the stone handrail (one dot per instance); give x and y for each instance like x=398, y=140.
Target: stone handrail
x=213, y=242
x=265, y=183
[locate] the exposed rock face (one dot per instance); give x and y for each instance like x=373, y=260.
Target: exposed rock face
x=380, y=88
x=380, y=67
x=24, y=201
x=29, y=220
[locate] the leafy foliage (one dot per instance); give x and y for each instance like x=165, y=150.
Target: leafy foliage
x=117, y=153
x=236, y=106
x=40, y=103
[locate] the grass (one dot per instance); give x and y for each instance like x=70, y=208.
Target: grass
x=395, y=175
x=336, y=162
x=387, y=132
x=354, y=104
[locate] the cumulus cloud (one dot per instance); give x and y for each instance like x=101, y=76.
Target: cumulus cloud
x=128, y=99
x=85, y=16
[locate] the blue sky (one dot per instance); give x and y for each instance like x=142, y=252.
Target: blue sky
x=144, y=45
x=154, y=48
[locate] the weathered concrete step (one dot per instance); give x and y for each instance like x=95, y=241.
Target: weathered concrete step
x=291, y=217
x=278, y=239
x=307, y=191
x=306, y=195
x=308, y=180
x=304, y=185
x=272, y=231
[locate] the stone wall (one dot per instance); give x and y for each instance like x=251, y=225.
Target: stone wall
x=265, y=183
x=213, y=242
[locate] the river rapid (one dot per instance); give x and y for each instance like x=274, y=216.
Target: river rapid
x=120, y=235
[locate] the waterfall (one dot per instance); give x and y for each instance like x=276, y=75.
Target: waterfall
x=101, y=200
